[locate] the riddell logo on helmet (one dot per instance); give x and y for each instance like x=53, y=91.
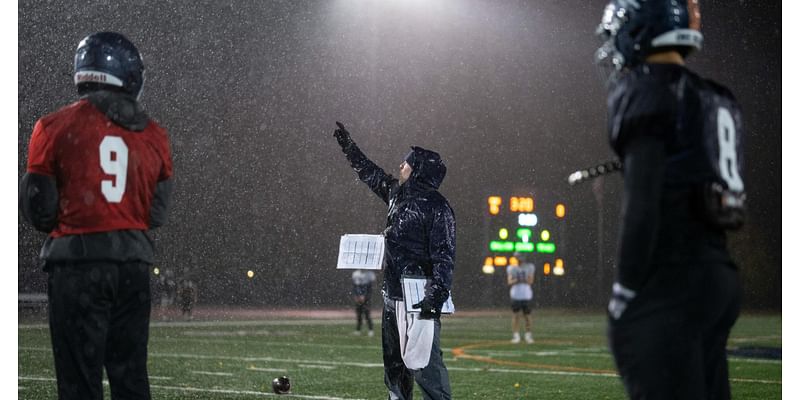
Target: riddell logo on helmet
x=98, y=77
x=90, y=77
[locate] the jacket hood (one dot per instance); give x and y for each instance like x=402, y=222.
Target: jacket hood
x=121, y=108
x=428, y=168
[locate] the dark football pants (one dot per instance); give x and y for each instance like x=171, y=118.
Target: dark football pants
x=433, y=380
x=99, y=316
x=670, y=341
x=362, y=310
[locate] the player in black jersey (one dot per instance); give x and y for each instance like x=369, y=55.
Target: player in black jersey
x=677, y=292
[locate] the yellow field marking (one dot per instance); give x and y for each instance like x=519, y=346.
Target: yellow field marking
x=461, y=352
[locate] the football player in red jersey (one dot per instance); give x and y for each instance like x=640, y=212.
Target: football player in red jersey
x=98, y=177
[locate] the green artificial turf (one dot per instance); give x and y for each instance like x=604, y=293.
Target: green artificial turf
x=324, y=360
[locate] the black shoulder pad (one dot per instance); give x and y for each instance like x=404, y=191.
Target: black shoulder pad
x=640, y=106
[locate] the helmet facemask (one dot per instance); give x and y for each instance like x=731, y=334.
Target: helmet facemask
x=608, y=60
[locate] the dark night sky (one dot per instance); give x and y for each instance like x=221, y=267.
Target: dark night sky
x=506, y=91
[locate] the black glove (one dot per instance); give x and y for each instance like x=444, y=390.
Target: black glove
x=343, y=136
x=427, y=309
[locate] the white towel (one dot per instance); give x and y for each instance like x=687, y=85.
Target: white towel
x=416, y=337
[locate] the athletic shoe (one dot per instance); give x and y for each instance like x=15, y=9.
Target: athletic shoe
x=528, y=337
x=515, y=339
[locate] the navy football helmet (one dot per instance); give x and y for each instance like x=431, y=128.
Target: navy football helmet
x=633, y=29
x=108, y=58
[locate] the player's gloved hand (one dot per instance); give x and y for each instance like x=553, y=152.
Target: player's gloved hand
x=427, y=309
x=342, y=136
x=620, y=298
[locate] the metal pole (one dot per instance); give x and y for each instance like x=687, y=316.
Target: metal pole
x=597, y=188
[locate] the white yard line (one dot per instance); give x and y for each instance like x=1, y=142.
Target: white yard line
x=36, y=378
x=212, y=373
x=754, y=360
x=247, y=359
x=756, y=381
x=743, y=360
x=368, y=365
x=267, y=369
x=496, y=370
x=34, y=348
x=250, y=392
x=594, y=374
x=534, y=372
x=197, y=324
x=331, y=364
x=268, y=359
x=316, y=366
x=32, y=326
x=375, y=345
x=220, y=391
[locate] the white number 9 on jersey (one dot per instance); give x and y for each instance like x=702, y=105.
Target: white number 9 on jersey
x=114, y=161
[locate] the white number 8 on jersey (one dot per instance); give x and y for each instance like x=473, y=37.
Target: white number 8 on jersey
x=728, y=163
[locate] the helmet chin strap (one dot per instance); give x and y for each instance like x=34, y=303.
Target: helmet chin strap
x=141, y=89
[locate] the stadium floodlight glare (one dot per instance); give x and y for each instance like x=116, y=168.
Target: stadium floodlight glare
x=488, y=266
x=545, y=247
x=559, y=268
x=545, y=235
x=503, y=233
x=528, y=219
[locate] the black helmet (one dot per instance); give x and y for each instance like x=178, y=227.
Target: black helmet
x=632, y=29
x=108, y=58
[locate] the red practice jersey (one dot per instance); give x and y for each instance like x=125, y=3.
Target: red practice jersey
x=106, y=175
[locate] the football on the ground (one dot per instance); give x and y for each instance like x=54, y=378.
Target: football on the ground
x=281, y=385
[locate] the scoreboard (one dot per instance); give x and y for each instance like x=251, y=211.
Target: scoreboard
x=522, y=225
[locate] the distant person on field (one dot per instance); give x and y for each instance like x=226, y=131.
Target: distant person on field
x=362, y=293
x=520, y=279
x=188, y=298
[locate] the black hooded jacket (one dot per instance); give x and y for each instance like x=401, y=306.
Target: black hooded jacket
x=420, y=226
